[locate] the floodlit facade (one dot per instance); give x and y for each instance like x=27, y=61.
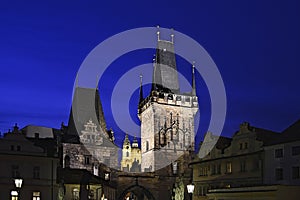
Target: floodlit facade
x=166, y=115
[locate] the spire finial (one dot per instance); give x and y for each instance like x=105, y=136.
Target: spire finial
x=172, y=35
x=193, y=67
x=141, y=79
x=193, y=79
x=157, y=32
x=141, y=89
x=97, y=82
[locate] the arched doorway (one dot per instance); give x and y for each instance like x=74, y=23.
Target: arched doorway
x=136, y=192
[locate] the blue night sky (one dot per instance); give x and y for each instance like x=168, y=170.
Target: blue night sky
x=254, y=43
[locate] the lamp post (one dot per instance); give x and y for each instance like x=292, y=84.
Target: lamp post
x=18, y=184
x=190, y=188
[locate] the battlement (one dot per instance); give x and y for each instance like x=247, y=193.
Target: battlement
x=182, y=100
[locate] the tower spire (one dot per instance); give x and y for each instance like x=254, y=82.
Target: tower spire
x=141, y=89
x=158, y=33
x=126, y=140
x=193, y=79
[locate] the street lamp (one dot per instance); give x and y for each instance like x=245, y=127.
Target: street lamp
x=107, y=176
x=190, y=188
x=174, y=167
x=18, y=183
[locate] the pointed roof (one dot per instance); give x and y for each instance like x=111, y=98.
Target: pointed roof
x=165, y=76
x=290, y=134
x=84, y=112
x=126, y=140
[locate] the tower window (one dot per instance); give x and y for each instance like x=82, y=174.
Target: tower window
x=127, y=154
x=147, y=145
x=87, y=160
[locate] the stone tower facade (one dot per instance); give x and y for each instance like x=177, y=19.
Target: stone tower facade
x=167, y=117
x=131, y=156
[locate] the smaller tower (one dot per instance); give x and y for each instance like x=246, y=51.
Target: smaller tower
x=131, y=156
x=126, y=151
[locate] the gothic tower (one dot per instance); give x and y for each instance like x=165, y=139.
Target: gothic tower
x=167, y=117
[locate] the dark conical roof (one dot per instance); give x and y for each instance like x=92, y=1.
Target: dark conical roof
x=83, y=110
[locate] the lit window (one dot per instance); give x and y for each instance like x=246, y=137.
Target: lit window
x=36, y=196
x=228, y=167
x=278, y=153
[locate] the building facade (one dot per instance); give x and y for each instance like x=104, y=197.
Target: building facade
x=34, y=160
x=282, y=158
x=254, y=163
x=233, y=162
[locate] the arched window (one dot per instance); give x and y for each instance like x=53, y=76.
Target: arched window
x=127, y=154
x=67, y=161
